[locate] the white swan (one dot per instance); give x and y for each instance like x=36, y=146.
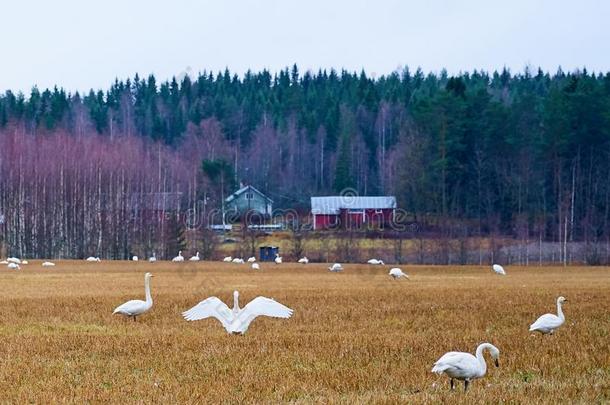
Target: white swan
x=236, y=321
x=195, y=258
x=227, y=259
x=178, y=258
x=14, y=266
x=251, y=259
x=397, y=273
x=24, y=262
x=304, y=260
x=278, y=260
x=135, y=258
x=237, y=260
x=48, y=264
x=465, y=366
x=376, y=262
x=547, y=323
x=4, y=262
x=153, y=258
x=93, y=259
x=15, y=260
x=137, y=307
x=498, y=269
x=336, y=267
x=255, y=266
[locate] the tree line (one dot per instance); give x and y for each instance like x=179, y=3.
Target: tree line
x=524, y=155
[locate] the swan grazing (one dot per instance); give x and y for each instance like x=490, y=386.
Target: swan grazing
x=336, y=267
x=498, y=269
x=24, y=262
x=15, y=260
x=236, y=321
x=227, y=259
x=251, y=259
x=14, y=266
x=255, y=266
x=376, y=262
x=237, y=260
x=304, y=260
x=135, y=258
x=48, y=264
x=278, y=260
x=465, y=366
x=397, y=273
x=137, y=307
x=178, y=258
x=93, y=259
x=547, y=323
x=195, y=258
x=153, y=258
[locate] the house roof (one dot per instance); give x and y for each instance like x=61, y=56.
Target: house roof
x=243, y=190
x=333, y=204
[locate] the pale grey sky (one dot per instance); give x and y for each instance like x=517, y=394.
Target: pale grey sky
x=82, y=44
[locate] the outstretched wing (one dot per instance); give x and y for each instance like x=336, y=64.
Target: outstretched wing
x=210, y=307
x=262, y=306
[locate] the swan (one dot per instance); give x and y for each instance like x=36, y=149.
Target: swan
x=237, y=260
x=93, y=259
x=178, y=258
x=135, y=258
x=251, y=259
x=498, y=269
x=153, y=258
x=547, y=323
x=15, y=260
x=336, y=267
x=397, y=273
x=227, y=259
x=255, y=266
x=4, y=262
x=24, y=262
x=195, y=258
x=465, y=366
x=14, y=266
x=304, y=260
x=376, y=262
x=137, y=307
x=48, y=264
x=236, y=321
x=278, y=260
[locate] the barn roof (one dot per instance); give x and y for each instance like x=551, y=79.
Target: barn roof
x=332, y=204
x=243, y=190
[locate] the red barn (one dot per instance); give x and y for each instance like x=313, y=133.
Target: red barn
x=350, y=211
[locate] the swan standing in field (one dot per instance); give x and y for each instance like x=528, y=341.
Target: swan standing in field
x=547, y=323
x=24, y=262
x=251, y=259
x=255, y=266
x=48, y=264
x=236, y=321
x=14, y=266
x=93, y=259
x=238, y=260
x=153, y=258
x=137, y=307
x=15, y=260
x=178, y=258
x=376, y=262
x=336, y=267
x=134, y=258
x=498, y=269
x=465, y=366
x=195, y=258
x=227, y=259
x=304, y=260
x=278, y=260
x=397, y=273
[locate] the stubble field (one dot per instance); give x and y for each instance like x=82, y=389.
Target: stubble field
x=355, y=337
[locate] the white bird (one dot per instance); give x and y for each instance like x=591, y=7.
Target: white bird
x=236, y=321
x=255, y=266
x=465, y=366
x=137, y=307
x=153, y=258
x=227, y=259
x=336, y=267
x=238, y=260
x=251, y=259
x=397, y=273
x=15, y=260
x=547, y=323
x=93, y=259
x=24, y=262
x=498, y=269
x=14, y=266
x=178, y=258
x=48, y=264
x=135, y=258
x=376, y=262
x=195, y=258
x=278, y=260
x=304, y=260
x=4, y=262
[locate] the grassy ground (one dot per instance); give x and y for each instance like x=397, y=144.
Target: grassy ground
x=356, y=336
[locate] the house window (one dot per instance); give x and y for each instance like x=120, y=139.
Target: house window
x=249, y=196
x=378, y=211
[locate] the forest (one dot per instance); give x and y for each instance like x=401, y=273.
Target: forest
x=524, y=155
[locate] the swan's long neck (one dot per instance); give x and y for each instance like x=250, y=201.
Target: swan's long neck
x=235, y=302
x=559, y=311
x=480, y=358
x=147, y=290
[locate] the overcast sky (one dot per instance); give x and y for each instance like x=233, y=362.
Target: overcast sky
x=82, y=44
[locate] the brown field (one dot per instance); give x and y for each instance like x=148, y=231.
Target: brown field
x=356, y=337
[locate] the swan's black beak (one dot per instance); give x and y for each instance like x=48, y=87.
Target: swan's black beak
x=497, y=363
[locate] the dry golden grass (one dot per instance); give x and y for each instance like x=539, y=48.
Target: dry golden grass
x=356, y=336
